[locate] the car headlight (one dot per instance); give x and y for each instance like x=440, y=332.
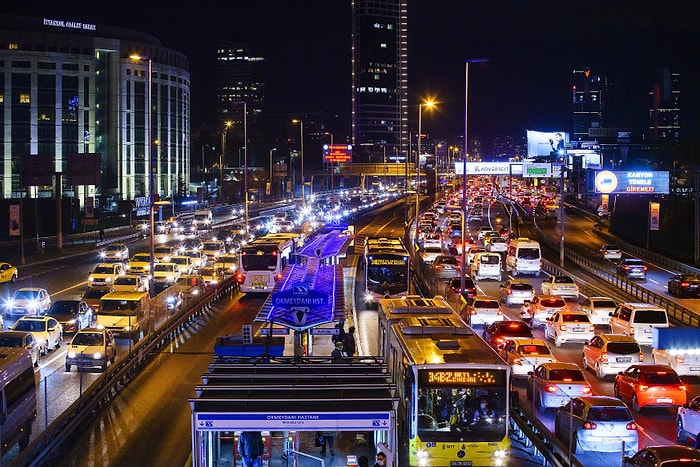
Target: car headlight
x=102, y=254
x=127, y=328
x=71, y=321
x=10, y=303
x=108, y=279
x=97, y=355
x=72, y=354
x=100, y=326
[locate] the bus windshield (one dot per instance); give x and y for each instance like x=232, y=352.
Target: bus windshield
x=259, y=259
x=387, y=271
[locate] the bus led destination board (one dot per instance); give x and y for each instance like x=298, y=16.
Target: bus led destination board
x=632, y=182
x=461, y=377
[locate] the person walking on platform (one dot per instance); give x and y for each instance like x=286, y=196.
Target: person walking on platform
x=338, y=353
x=349, y=344
x=328, y=440
x=251, y=448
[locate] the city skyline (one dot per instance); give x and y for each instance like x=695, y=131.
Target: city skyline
x=532, y=52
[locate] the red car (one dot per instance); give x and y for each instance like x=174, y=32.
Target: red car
x=650, y=385
x=497, y=332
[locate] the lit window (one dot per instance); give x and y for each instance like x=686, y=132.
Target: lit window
x=383, y=45
x=13, y=46
x=2, y=98
x=24, y=98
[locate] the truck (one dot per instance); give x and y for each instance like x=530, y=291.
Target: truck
x=677, y=347
x=203, y=219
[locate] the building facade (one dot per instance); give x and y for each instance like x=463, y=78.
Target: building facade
x=76, y=88
x=380, y=76
x=589, y=102
x=664, y=115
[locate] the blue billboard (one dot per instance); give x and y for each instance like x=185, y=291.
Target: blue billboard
x=632, y=182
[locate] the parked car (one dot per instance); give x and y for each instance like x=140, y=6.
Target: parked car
x=632, y=268
x=91, y=348
x=8, y=272
x=650, y=386
x=608, y=354
x=662, y=456
x=684, y=285
x=568, y=326
x=23, y=340
x=115, y=252
x=610, y=252
x=497, y=333
x=564, y=286
x=598, y=309
x=73, y=315
x=47, y=331
x=596, y=423
x=516, y=291
x=552, y=385
x=28, y=301
x=523, y=354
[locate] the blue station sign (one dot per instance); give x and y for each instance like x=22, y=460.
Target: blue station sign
x=299, y=296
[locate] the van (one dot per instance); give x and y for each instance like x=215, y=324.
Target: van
x=524, y=257
x=17, y=397
x=126, y=314
x=486, y=266
x=638, y=320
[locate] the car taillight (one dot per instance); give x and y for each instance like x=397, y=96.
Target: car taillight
x=589, y=426
x=517, y=361
x=679, y=359
x=591, y=328
x=685, y=284
x=644, y=268
x=499, y=340
x=641, y=357
x=631, y=426
x=681, y=388
x=604, y=357
x=642, y=387
x=562, y=327
x=500, y=312
x=240, y=278
x=278, y=277
x=587, y=390
x=631, y=331
x=550, y=388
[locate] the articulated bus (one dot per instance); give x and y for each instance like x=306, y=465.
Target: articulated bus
x=454, y=391
x=387, y=269
x=262, y=262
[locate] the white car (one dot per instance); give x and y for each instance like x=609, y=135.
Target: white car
x=166, y=272
x=564, y=286
x=28, y=301
x=91, y=348
x=544, y=306
x=598, y=309
x=497, y=245
x=568, y=326
x=686, y=363
x=131, y=283
x=430, y=253
x=22, y=340
x=482, y=232
x=524, y=354
x=47, y=331
x=484, y=310
x=115, y=252
x=608, y=354
x=688, y=421
x=553, y=384
x=610, y=252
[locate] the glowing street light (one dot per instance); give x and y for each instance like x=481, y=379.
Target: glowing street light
x=429, y=104
x=301, y=128
x=227, y=125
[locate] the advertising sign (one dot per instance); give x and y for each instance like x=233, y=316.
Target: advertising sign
x=14, y=220
x=632, y=182
x=483, y=168
x=537, y=170
x=544, y=143
x=337, y=153
x=654, y=209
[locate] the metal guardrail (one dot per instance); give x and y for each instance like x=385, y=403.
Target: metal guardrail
x=50, y=447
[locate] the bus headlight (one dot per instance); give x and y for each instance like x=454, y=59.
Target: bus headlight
x=422, y=457
x=368, y=297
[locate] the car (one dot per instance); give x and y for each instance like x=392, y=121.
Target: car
x=91, y=348
x=684, y=360
x=483, y=309
x=28, y=301
x=8, y=272
x=430, y=253
x=23, y=340
x=663, y=456
x=523, y=354
x=472, y=252
x=115, y=252
x=489, y=236
x=688, y=421
x=632, y=268
x=543, y=306
x=163, y=253
x=199, y=259
x=73, y=315
x=191, y=286
x=190, y=244
x=610, y=252
x=638, y=319
x=105, y=274
x=497, y=245
x=210, y=276
x=553, y=384
x=131, y=283
x=648, y=385
x=516, y=291
x=469, y=286
x=238, y=229
x=607, y=354
x=140, y=263
x=47, y=331
x=596, y=423
x=213, y=248
x=184, y=263
x=166, y=273
x=481, y=233
x=498, y=332
x=568, y=326
x=285, y=226
x=162, y=227
x=93, y=295
x=564, y=286
x=598, y=309
x=226, y=265
x=684, y=285
x=446, y=266
x=431, y=239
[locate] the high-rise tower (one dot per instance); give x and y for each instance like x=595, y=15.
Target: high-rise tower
x=664, y=116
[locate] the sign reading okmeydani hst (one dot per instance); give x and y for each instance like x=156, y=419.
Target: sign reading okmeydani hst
x=632, y=182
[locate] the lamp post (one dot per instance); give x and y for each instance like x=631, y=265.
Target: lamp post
x=222, y=158
x=151, y=174
x=271, y=151
x=428, y=104
x=331, y=162
x=301, y=128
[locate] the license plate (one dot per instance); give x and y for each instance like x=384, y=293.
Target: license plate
x=579, y=329
x=647, y=331
x=664, y=400
x=623, y=359
x=460, y=463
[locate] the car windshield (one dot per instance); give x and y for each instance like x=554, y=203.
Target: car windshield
x=529, y=253
x=650, y=316
x=575, y=318
x=566, y=375
x=30, y=325
x=609, y=414
x=163, y=249
x=448, y=260
x=490, y=259
x=95, y=293
x=553, y=303
x=603, y=304
x=177, y=260
x=114, y=248
x=26, y=294
x=563, y=280
x=662, y=377
x=490, y=304
x=88, y=338
x=164, y=267
x=11, y=341
x=125, y=281
x=143, y=258
x=520, y=286
x=533, y=349
x=623, y=348
x=103, y=270
x=64, y=307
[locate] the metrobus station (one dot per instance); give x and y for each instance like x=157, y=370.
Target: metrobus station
x=276, y=384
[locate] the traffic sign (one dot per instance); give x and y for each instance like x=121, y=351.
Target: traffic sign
x=325, y=331
x=275, y=331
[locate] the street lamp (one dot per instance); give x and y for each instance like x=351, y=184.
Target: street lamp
x=429, y=104
x=331, y=161
x=271, y=151
x=227, y=125
x=151, y=175
x=301, y=128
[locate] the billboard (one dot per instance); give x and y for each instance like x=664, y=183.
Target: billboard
x=337, y=153
x=544, y=143
x=537, y=170
x=632, y=181
x=483, y=168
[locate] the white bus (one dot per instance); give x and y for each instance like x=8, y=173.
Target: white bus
x=262, y=262
x=387, y=269
x=17, y=397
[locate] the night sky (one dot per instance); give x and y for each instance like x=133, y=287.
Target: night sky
x=532, y=51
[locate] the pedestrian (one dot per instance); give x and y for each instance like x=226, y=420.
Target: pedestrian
x=102, y=235
x=251, y=448
x=381, y=460
x=338, y=353
x=328, y=439
x=349, y=344
x=526, y=312
x=363, y=461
